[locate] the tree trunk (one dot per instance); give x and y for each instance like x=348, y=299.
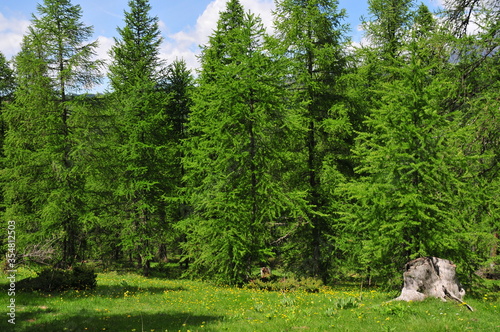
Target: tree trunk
x=431, y=277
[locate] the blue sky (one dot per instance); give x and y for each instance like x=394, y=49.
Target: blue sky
x=185, y=24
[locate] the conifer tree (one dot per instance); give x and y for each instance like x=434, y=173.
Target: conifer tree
x=7, y=83
x=7, y=86
x=44, y=184
x=475, y=39
x=386, y=28
x=143, y=148
x=179, y=86
x=219, y=50
x=404, y=205
x=311, y=36
x=408, y=183
x=237, y=155
x=390, y=20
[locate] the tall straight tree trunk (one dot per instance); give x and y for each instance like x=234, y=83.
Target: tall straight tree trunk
x=317, y=268
x=253, y=169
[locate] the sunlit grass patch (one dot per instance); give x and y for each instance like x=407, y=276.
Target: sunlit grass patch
x=128, y=302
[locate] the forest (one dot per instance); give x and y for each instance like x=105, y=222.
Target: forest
x=298, y=150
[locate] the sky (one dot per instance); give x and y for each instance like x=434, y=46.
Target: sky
x=184, y=24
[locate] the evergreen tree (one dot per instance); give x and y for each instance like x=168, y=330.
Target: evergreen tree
x=409, y=183
x=98, y=150
x=416, y=194
x=312, y=37
x=390, y=20
x=7, y=83
x=387, y=29
x=143, y=147
x=219, y=49
x=179, y=86
x=43, y=182
x=412, y=169
x=237, y=155
x=7, y=86
x=476, y=76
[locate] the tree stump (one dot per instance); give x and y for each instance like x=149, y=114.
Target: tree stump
x=265, y=272
x=431, y=277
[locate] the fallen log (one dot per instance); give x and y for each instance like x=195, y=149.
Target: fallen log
x=431, y=277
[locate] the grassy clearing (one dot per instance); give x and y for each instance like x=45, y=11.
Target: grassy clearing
x=130, y=302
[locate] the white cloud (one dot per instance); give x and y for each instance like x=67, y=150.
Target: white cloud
x=185, y=44
x=162, y=25
x=178, y=44
x=11, y=35
x=263, y=8
x=436, y=3
x=103, y=48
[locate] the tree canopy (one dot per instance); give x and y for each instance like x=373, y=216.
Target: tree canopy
x=294, y=148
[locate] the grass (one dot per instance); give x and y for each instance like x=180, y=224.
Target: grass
x=129, y=302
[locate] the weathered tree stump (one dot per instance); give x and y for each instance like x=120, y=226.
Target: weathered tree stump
x=265, y=272
x=431, y=277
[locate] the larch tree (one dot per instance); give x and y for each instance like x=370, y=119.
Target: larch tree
x=389, y=22
x=386, y=27
x=7, y=83
x=180, y=89
x=475, y=40
x=7, y=87
x=311, y=36
x=412, y=172
x=237, y=154
x=43, y=180
x=143, y=146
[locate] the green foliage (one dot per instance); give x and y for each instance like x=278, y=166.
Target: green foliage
x=43, y=180
x=399, y=309
x=61, y=36
x=310, y=285
x=342, y=304
x=220, y=50
x=409, y=183
x=389, y=22
x=414, y=195
x=237, y=155
x=311, y=36
x=135, y=56
x=476, y=67
x=143, y=147
x=332, y=160
x=52, y=279
x=179, y=86
x=7, y=83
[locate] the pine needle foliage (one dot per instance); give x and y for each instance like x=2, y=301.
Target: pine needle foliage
x=44, y=186
x=311, y=36
x=143, y=147
x=237, y=159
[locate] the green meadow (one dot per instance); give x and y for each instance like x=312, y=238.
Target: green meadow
x=130, y=302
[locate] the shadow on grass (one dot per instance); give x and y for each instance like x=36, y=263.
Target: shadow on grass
x=28, y=297
x=169, y=271
x=119, y=291
x=41, y=317
x=87, y=320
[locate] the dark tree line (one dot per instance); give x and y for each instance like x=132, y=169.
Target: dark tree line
x=294, y=148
